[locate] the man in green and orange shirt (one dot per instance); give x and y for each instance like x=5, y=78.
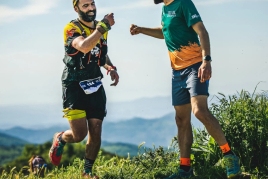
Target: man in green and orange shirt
x=191, y=65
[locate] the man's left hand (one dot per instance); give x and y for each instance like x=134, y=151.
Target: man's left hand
x=114, y=77
x=204, y=72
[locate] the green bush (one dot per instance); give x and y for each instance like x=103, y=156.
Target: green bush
x=244, y=119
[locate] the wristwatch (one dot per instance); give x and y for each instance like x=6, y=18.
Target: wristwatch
x=207, y=58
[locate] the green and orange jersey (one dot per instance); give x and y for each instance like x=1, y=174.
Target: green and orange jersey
x=181, y=40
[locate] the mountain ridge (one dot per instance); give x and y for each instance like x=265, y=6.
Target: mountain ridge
x=8, y=140
x=159, y=131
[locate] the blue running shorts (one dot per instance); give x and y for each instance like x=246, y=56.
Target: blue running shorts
x=186, y=84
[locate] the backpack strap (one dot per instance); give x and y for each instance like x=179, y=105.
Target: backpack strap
x=77, y=23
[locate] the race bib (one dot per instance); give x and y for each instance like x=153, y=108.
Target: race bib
x=91, y=85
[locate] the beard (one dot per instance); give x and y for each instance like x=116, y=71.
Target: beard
x=158, y=1
x=85, y=17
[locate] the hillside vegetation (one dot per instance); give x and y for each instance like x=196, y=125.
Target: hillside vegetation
x=10, y=148
x=244, y=118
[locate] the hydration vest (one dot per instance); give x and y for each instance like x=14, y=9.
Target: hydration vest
x=85, y=66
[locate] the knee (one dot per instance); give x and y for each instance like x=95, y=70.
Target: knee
x=201, y=113
x=80, y=136
x=180, y=121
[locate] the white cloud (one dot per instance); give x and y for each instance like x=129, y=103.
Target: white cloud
x=127, y=6
x=212, y=2
x=150, y=4
x=34, y=7
x=139, y=4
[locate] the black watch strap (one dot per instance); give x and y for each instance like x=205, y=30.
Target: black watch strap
x=207, y=58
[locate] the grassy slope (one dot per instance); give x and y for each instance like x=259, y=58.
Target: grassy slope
x=10, y=148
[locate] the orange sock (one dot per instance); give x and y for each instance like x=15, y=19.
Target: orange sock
x=225, y=148
x=185, y=161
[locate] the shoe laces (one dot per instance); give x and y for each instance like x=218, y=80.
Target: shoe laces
x=59, y=148
x=231, y=163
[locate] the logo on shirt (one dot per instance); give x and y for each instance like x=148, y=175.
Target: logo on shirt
x=71, y=32
x=195, y=16
x=95, y=51
x=171, y=14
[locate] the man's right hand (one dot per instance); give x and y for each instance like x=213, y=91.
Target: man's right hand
x=134, y=29
x=110, y=18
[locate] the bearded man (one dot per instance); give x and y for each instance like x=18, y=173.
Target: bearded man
x=84, y=99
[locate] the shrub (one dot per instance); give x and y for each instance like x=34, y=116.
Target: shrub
x=244, y=119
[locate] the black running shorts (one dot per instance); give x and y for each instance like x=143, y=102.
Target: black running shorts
x=75, y=98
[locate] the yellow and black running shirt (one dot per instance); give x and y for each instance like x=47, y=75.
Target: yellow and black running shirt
x=181, y=40
x=80, y=66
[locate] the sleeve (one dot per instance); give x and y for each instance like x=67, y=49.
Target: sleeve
x=190, y=13
x=70, y=32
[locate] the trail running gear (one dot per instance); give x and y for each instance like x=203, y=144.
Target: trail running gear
x=73, y=114
x=182, y=174
x=94, y=104
x=232, y=165
x=56, y=150
x=186, y=84
x=225, y=148
x=181, y=39
x=80, y=66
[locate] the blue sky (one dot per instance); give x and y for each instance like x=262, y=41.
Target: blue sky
x=31, y=48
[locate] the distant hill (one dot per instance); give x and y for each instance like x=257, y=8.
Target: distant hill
x=122, y=149
x=159, y=131
x=48, y=115
x=9, y=141
x=36, y=136
x=146, y=119
x=12, y=147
